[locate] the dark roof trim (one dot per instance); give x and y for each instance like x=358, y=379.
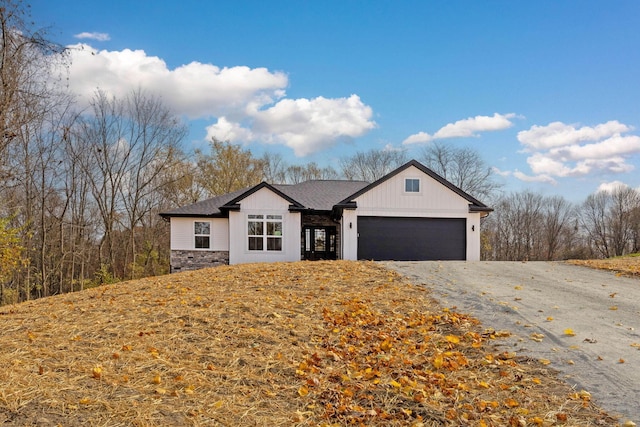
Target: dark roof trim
x=234, y=203
x=475, y=206
x=191, y=215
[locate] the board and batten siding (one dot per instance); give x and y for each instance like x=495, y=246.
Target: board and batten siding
x=264, y=202
x=183, y=235
x=434, y=200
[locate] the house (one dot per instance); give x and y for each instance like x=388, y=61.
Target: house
x=410, y=214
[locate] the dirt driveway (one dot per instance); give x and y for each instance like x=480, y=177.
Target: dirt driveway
x=547, y=298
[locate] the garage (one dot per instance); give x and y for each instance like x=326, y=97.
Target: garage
x=411, y=239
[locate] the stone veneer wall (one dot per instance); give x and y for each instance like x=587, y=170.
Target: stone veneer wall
x=194, y=260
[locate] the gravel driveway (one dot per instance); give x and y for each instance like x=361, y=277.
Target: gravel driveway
x=525, y=298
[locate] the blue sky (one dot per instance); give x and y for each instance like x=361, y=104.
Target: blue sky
x=547, y=91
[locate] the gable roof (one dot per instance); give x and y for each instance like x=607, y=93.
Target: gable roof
x=315, y=195
x=474, y=204
x=322, y=195
x=205, y=208
x=318, y=195
x=233, y=203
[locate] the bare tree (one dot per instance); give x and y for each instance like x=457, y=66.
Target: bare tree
x=515, y=227
x=610, y=219
x=558, y=214
x=275, y=168
x=594, y=219
x=26, y=57
x=624, y=202
x=463, y=167
x=228, y=167
x=311, y=171
x=124, y=146
x=371, y=165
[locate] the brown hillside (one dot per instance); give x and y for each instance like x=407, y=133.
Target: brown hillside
x=322, y=343
x=625, y=265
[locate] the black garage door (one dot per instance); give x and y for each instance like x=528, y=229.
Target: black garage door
x=412, y=239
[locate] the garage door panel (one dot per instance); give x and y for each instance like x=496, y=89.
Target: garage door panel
x=411, y=239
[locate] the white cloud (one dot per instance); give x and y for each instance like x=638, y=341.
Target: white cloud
x=248, y=104
x=534, y=178
x=304, y=125
x=558, y=134
x=101, y=37
x=389, y=148
x=465, y=128
x=610, y=187
x=417, y=138
x=560, y=150
x=196, y=90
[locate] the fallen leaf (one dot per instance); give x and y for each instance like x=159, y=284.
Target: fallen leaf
x=511, y=403
x=452, y=339
x=97, y=372
x=536, y=337
x=569, y=332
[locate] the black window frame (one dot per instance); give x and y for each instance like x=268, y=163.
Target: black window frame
x=202, y=239
x=265, y=232
x=412, y=185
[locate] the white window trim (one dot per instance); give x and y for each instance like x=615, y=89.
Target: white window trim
x=202, y=235
x=410, y=193
x=265, y=237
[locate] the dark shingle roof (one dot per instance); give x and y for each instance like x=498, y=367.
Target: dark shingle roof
x=209, y=207
x=321, y=195
x=317, y=195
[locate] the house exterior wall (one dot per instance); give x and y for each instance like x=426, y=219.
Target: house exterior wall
x=349, y=228
x=434, y=200
x=264, y=202
x=182, y=234
x=183, y=260
x=184, y=256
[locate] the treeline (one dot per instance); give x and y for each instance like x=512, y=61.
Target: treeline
x=81, y=189
x=529, y=226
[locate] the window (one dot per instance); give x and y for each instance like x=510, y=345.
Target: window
x=412, y=185
x=202, y=231
x=264, y=232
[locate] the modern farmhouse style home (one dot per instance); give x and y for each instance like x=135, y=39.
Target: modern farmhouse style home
x=410, y=214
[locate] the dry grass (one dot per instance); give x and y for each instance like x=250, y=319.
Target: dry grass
x=323, y=343
x=624, y=266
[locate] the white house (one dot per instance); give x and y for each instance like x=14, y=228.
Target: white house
x=410, y=214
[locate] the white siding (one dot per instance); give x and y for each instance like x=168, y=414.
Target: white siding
x=264, y=202
x=433, y=201
x=473, y=237
x=349, y=235
x=182, y=234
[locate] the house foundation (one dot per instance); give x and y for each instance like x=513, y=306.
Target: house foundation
x=184, y=260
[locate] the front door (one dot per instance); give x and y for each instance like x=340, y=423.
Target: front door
x=319, y=242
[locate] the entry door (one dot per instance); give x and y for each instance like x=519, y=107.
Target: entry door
x=319, y=242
